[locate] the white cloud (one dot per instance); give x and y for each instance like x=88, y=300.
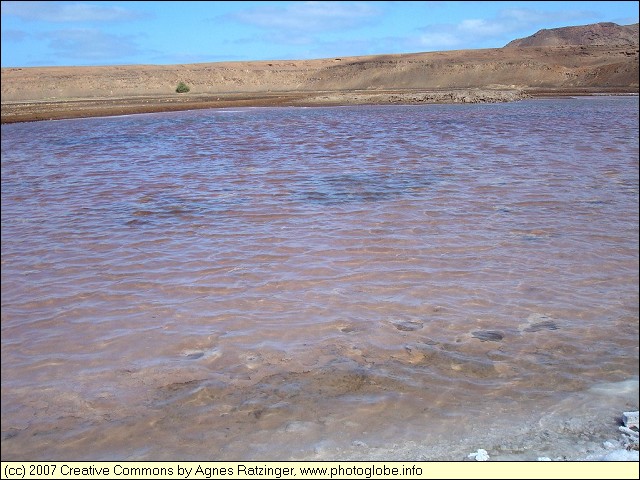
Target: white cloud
x=90, y=44
x=480, y=27
x=501, y=28
x=441, y=39
x=61, y=12
x=308, y=16
x=14, y=35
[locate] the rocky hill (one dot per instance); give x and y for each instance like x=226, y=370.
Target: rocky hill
x=558, y=67
x=572, y=60
x=606, y=33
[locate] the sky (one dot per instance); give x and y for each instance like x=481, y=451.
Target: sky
x=168, y=32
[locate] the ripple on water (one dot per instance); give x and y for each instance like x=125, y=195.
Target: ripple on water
x=349, y=278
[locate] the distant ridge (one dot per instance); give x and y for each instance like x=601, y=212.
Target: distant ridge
x=605, y=33
x=582, y=60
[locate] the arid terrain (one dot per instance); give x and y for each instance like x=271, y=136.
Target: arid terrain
x=598, y=58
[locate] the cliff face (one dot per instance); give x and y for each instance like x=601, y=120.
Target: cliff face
x=544, y=67
x=606, y=33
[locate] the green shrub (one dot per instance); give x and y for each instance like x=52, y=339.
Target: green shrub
x=182, y=88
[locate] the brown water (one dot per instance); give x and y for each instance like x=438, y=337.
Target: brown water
x=316, y=283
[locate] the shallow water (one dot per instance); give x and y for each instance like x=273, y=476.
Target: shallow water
x=292, y=283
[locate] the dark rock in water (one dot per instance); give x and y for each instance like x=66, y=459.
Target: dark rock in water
x=193, y=354
x=488, y=335
x=545, y=325
x=408, y=325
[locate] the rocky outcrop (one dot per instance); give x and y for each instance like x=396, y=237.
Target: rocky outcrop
x=606, y=33
x=432, y=96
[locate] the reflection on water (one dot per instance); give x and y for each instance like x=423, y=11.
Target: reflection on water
x=290, y=283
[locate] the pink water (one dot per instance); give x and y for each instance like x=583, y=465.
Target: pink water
x=272, y=284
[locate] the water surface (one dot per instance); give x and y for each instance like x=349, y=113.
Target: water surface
x=310, y=283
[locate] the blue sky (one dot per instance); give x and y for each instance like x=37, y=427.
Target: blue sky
x=120, y=33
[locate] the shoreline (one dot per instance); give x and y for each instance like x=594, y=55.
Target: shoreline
x=59, y=109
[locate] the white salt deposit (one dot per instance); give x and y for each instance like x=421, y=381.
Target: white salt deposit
x=480, y=456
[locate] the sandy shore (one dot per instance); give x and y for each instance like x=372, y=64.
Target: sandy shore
x=586, y=427
x=463, y=76
x=29, y=111
x=96, y=107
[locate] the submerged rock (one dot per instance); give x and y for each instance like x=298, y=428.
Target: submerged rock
x=630, y=419
x=488, y=335
x=407, y=325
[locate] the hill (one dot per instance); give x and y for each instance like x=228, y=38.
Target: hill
x=483, y=75
x=606, y=33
